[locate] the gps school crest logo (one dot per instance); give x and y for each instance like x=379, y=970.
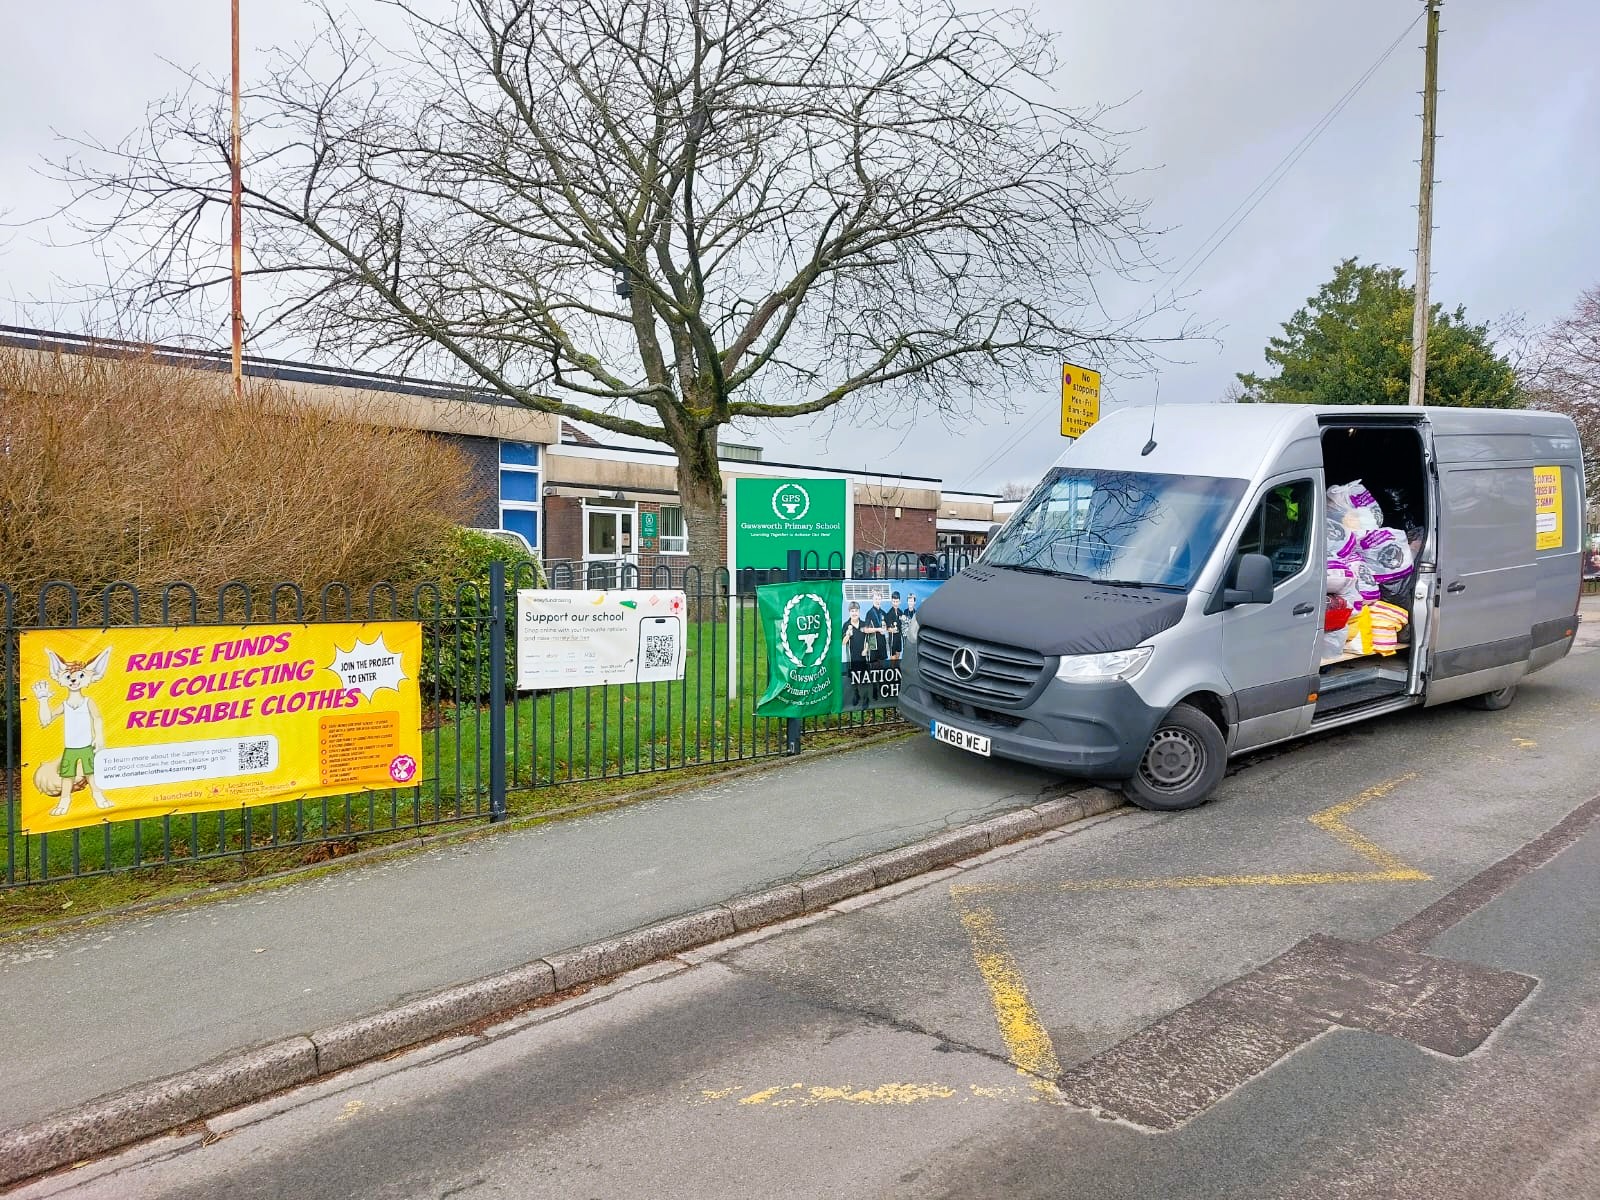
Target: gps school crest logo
x=805, y=630
x=791, y=502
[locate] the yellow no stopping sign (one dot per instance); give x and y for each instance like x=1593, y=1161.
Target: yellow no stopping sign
x=1080, y=399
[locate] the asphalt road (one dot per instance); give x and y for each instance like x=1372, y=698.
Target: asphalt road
x=1318, y=985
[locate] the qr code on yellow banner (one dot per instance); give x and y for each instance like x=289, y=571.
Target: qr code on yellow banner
x=255, y=755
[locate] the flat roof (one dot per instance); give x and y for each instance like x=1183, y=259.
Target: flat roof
x=292, y=371
x=979, y=496
x=255, y=366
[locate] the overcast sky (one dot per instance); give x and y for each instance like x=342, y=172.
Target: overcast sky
x=1215, y=95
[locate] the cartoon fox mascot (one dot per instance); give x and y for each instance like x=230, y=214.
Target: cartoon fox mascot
x=83, y=732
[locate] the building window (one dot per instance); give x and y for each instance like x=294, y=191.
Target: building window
x=519, y=489
x=672, y=535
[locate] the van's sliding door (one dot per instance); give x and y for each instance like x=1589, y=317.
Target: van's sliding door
x=1487, y=580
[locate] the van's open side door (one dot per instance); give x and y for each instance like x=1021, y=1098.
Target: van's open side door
x=1425, y=594
x=1485, y=585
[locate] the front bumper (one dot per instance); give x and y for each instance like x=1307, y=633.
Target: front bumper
x=1089, y=730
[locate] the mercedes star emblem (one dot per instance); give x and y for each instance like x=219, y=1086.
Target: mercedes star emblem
x=965, y=663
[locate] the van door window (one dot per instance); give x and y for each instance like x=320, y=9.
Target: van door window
x=1280, y=527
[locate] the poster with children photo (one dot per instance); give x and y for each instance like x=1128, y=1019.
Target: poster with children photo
x=878, y=616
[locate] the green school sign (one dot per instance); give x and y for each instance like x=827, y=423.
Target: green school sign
x=767, y=518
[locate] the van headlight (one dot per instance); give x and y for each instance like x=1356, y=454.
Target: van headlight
x=1093, y=668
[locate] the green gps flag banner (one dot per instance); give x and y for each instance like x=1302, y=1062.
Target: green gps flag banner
x=801, y=631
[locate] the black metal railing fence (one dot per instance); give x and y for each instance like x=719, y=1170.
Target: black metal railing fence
x=482, y=740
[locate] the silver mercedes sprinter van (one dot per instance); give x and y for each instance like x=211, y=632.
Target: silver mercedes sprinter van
x=1166, y=595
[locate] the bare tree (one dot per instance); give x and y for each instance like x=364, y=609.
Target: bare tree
x=657, y=216
x=1563, y=375
x=1016, y=489
x=877, y=528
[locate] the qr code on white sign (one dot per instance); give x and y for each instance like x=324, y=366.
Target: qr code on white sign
x=255, y=755
x=659, y=651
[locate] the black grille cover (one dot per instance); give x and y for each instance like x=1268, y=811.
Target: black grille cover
x=1046, y=614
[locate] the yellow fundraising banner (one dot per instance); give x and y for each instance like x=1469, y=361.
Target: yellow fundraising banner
x=1548, y=533
x=125, y=723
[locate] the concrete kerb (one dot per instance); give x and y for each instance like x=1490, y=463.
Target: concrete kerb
x=148, y=1110
x=763, y=908
x=366, y=1038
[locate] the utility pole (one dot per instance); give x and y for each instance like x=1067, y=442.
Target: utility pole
x=1419, y=316
x=238, y=227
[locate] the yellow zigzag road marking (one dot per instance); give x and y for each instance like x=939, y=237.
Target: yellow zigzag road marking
x=1026, y=1040
x=1391, y=868
x=1331, y=820
x=1163, y=882
x=798, y=1095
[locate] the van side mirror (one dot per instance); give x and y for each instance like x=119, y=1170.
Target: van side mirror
x=1252, y=581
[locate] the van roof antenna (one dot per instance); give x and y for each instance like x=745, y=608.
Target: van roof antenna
x=1151, y=444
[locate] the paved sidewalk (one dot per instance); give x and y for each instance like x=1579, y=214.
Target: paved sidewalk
x=90, y=1012
x=1589, y=623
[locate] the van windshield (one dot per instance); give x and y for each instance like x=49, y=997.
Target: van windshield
x=1118, y=527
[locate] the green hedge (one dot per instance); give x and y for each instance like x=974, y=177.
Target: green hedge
x=455, y=650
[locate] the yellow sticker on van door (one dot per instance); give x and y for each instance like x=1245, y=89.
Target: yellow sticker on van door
x=1547, y=508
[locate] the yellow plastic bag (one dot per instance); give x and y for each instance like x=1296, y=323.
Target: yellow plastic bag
x=1358, y=633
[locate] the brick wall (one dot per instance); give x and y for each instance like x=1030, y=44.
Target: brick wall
x=563, y=529
x=878, y=529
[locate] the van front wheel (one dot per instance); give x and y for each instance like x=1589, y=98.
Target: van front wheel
x=1182, y=763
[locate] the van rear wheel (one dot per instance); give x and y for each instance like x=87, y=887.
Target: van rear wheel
x=1494, y=701
x=1182, y=763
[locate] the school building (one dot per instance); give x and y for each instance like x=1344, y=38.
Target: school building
x=576, y=494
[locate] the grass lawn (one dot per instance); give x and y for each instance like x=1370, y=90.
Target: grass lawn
x=600, y=732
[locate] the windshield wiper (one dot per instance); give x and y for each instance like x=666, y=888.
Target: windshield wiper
x=1030, y=570
x=1140, y=583
x=1078, y=577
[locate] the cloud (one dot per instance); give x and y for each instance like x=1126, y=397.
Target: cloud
x=1212, y=97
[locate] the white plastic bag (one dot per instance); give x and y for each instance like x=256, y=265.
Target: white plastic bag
x=1355, y=580
x=1387, y=553
x=1341, y=541
x=1354, y=507
x=1366, y=585
x=1340, y=578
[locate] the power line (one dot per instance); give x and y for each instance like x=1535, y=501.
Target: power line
x=1228, y=225
x=1287, y=163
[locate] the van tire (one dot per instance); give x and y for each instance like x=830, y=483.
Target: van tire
x=1182, y=764
x=1493, y=701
